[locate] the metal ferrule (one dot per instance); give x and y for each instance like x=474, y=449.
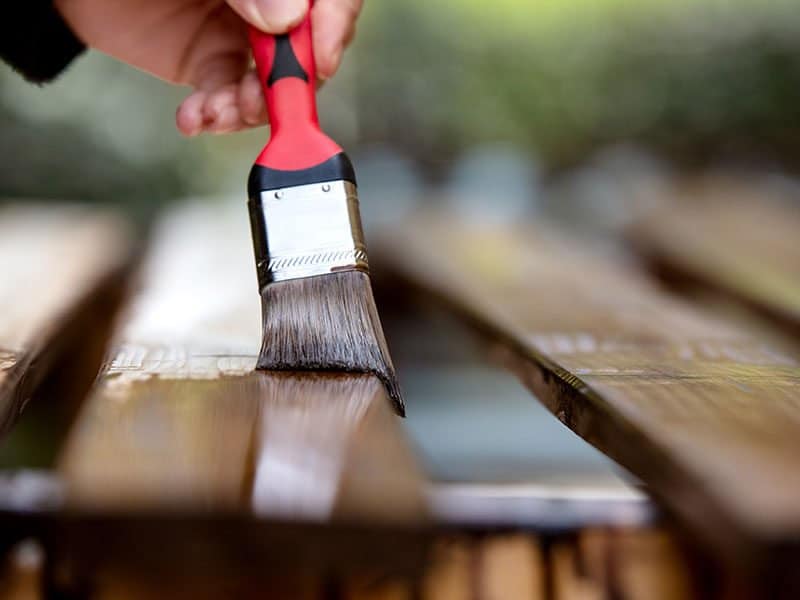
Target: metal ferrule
x=307, y=230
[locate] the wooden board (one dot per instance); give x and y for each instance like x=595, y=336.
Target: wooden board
x=495, y=458
x=280, y=445
x=608, y=563
x=601, y=563
x=182, y=444
x=500, y=566
x=593, y=564
x=20, y=574
x=511, y=566
x=705, y=415
x=732, y=237
x=63, y=269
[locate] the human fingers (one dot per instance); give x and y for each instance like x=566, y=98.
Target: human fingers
x=231, y=107
x=252, y=106
x=272, y=16
x=221, y=112
x=333, y=24
x=189, y=116
x=213, y=111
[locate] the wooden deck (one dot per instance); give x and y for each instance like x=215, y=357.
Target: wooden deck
x=698, y=409
x=181, y=407
x=184, y=471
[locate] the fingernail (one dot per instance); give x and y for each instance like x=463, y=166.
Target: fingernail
x=279, y=15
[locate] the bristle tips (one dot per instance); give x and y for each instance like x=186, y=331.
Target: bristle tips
x=326, y=323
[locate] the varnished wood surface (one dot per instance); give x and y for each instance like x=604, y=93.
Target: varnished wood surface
x=183, y=460
x=62, y=268
x=733, y=237
x=314, y=446
x=180, y=421
x=706, y=415
x=184, y=465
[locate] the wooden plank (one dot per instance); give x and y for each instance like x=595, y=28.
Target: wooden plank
x=505, y=565
x=703, y=413
x=366, y=589
x=211, y=587
x=179, y=426
x=21, y=574
x=180, y=419
x=640, y=564
x=629, y=563
x=569, y=583
x=281, y=445
x=63, y=272
x=451, y=571
x=511, y=566
x=734, y=238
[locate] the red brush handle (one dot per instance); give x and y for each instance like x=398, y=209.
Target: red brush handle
x=288, y=76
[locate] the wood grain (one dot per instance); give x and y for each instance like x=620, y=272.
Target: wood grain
x=63, y=269
x=180, y=421
x=704, y=414
x=184, y=461
x=314, y=446
x=733, y=237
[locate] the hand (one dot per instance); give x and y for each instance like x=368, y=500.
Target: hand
x=203, y=43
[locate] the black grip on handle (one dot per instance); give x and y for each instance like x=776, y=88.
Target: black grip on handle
x=285, y=63
x=337, y=167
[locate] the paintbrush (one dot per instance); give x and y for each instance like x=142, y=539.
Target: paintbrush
x=318, y=308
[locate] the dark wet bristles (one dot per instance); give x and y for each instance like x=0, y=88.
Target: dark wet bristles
x=326, y=323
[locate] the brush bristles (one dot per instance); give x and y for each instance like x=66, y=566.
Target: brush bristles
x=326, y=323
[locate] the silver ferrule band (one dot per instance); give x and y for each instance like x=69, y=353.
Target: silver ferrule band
x=309, y=230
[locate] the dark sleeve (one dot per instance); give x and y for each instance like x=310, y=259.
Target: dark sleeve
x=35, y=40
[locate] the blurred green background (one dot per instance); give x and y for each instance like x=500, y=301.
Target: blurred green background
x=690, y=82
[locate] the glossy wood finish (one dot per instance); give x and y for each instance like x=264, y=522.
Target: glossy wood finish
x=736, y=238
x=63, y=269
x=314, y=446
x=705, y=414
x=180, y=421
x=184, y=461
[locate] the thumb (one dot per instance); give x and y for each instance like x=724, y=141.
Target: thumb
x=271, y=16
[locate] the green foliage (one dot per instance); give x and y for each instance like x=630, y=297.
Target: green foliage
x=682, y=75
